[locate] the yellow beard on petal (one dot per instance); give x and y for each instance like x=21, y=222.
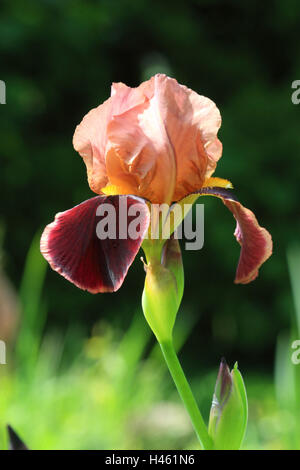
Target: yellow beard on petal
x=217, y=182
x=111, y=190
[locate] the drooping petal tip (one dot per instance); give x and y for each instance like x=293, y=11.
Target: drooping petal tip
x=256, y=242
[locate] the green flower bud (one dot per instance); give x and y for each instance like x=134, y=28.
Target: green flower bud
x=160, y=301
x=229, y=410
x=172, y=260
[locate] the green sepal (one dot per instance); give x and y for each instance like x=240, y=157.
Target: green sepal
x=172, y=260
x=160, y=301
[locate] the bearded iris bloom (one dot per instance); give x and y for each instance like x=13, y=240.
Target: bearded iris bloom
x=156, y=144
x=152, y=145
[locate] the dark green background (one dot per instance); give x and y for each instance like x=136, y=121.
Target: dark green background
x=58, y=59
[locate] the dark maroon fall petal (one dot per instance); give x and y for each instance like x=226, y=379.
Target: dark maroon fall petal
x=256, y=242
x=71, y=246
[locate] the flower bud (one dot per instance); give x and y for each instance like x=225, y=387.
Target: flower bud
x=229, y=410
x=172, y=260
x=160, y=301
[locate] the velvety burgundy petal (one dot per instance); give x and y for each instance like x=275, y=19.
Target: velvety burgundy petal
x=71, y=246
x=256, y=242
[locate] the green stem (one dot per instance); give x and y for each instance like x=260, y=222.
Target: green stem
x=186, y=394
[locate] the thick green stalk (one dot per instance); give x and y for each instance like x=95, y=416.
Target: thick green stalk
x=186, y=394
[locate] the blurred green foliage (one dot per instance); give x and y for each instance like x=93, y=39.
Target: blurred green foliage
x=112, y=390
x=58, y=59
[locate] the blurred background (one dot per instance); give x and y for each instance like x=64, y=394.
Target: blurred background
x=83, y=371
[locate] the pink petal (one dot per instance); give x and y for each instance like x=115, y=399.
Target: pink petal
x=140, y=159
x=89, y=141
x=72, y=248
x=164, y=147
x=90, y=137
x=192, y=122
x=157, y=141
x=256, y=242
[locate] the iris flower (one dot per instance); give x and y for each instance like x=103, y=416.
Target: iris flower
x=153, y=144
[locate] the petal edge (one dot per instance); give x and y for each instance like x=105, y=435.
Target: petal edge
x=256, y=242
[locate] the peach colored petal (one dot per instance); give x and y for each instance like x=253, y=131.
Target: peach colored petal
x=89, y=141
x=192, y=122
x=125, y=98
x=157, y=141
x=90, y=137
x=140, y=157
x=214, y=152
x=164, y=148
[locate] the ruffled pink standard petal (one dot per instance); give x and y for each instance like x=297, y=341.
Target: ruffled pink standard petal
x=72, y=246
x=256, y=242
x=192, y=122
x=90, y=136
x=166, y=146
x=140, y=159
x=89, y=141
